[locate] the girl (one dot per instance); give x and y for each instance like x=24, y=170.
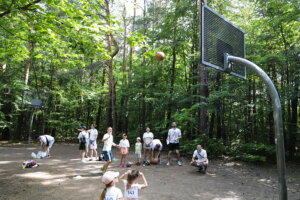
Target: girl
x=93, y=141
x=138, y=150
x=110, y=191
x=82, y=137
x=124, y=145
x=131, y=185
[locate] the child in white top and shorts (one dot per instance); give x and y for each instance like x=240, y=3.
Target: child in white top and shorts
x=138, y=150
x=124, y=146
x=131, y=186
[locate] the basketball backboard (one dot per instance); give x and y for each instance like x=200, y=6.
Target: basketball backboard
x=35, y=99
x=219, y=36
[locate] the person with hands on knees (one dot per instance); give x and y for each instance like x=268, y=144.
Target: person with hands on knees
x=131, y=186
x=200, y=159
x=110, y=192
x=47, y=142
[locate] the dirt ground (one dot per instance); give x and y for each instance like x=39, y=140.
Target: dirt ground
x=56, y=179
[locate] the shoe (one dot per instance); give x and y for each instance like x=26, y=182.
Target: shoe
x=121, y=165
x=179, y=163
x=168, y=164
x=82, y=161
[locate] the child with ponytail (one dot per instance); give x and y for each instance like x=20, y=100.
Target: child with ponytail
x=131, y=186
x=110, y=192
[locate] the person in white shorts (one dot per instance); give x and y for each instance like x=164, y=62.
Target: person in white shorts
x=199, y=159
x=93, y=141
x=174, y=135
x=147, y=138
x=47, y=142
x=110, y=192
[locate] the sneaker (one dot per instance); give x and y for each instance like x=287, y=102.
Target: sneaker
x=82, y=161
x=168, y=164
x=179, y=163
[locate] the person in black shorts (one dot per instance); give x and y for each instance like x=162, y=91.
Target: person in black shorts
x=174, y=135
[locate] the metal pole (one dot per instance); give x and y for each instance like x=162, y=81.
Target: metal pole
x=277, y=114
x=30, y=125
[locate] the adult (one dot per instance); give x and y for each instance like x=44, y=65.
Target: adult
x=108, y=140
x=93, y=133
x=147, y=138
x=83, y=140
x=47, y=142
x=156, y=148
x=174, y=135
x=199, y=159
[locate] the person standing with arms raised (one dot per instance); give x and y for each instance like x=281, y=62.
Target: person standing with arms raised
x=108, y=140
x=174, y=135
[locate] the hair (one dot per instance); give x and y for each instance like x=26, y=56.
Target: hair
x=102, y=196
x=157, y=146
x=131, y=177
x=94, y=125
x=124, y=134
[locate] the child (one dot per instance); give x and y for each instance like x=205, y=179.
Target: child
x=138, y=150
x=93, y=141
x=131, y=185
x=124, y=145
x=110, y=191
x=82, y=137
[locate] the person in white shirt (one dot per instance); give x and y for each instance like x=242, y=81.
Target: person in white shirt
x=47, y=142
x=174, y=135
x=147, y=138
x=110, y=192
x=93, y=141
x=108, y=143
x=199, y=159
x=82, y=137
x=138, y=151
x=156, y=148
x=124, y=146
x=131, y=186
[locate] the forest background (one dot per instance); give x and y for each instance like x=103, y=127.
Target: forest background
x=96, y=59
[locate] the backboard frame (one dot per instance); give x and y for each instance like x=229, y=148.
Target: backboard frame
x=224, y=68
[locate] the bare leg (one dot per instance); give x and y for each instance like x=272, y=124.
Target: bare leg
x=169, y=156
x=178, y=155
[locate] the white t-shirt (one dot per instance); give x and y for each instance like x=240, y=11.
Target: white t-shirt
x=173, y=134
x=44, y=140
x=109, y=142
x=124, y=143
x=155, y=142
x=147, y=137
x=113, y=193
x=84, y=134
x=201, y=156
x=133, y=192
x=93, y=134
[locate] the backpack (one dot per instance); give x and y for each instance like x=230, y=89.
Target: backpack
x=29, y=164
x=83, y=139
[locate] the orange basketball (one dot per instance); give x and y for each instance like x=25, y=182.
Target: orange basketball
x=155, y=161
x=160, y=56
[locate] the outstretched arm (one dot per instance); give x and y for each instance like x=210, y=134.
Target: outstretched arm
x=124, y=175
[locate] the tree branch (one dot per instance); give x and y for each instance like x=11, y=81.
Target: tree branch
x=20, y=8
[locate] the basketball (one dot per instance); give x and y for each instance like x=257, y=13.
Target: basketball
x=160, y=56
x=155, y=161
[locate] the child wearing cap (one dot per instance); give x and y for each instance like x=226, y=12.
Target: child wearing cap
x=138, y=150
x=124, y=146
x=110, y=191
x=82, y=137
x=131, y=186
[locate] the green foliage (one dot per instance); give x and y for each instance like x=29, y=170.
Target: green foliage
x=252, y=152
x=214, y=147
